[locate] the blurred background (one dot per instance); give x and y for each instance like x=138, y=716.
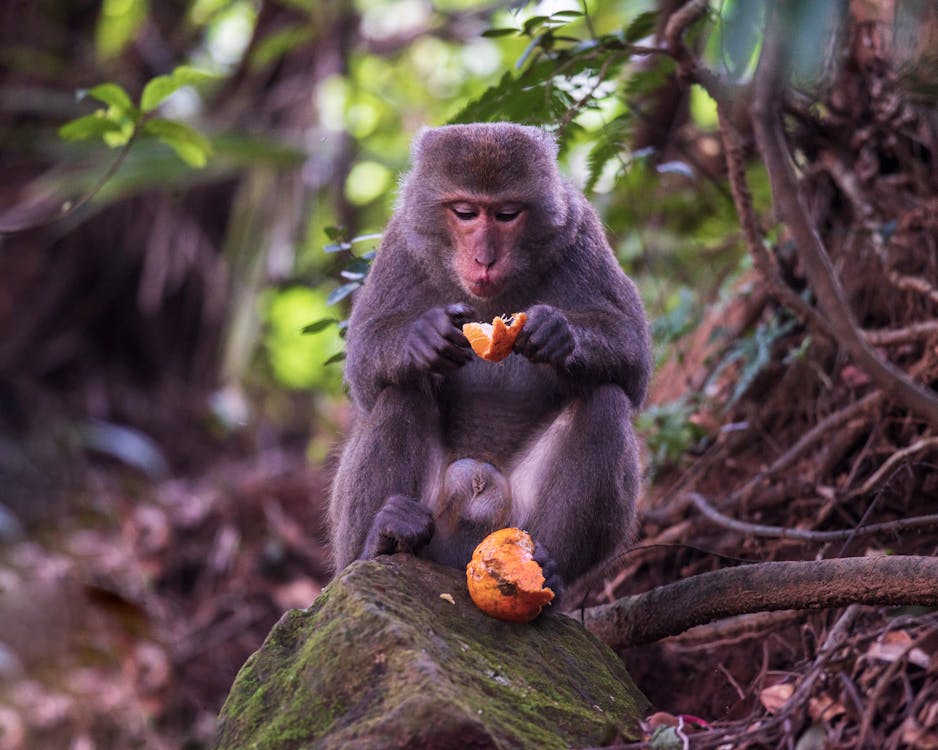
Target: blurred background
x=175, y=269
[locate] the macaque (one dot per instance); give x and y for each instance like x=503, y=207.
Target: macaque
x=447, y=447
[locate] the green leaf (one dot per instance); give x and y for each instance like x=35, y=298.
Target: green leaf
x=111, y=93
x=534, y=22
x=89, y=126
x=119, y=137
x=189, y=144
x=118, y=23
x=567, y=14
x=641, y=26
x=366, y=237
x=335, y=233
x=528, y=99
x=319, y=325
x=340, y=293
x=610, y=142
x=338, y=357
x=492, y=33
x=186, y=75
x=357, y=270
x=337, y=247
x=157, y=89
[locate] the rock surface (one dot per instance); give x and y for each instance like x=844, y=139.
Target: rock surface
x=380, y=660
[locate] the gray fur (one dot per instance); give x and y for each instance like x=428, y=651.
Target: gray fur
x=544, y=438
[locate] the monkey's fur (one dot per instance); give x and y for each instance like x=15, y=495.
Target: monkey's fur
x=447, y=447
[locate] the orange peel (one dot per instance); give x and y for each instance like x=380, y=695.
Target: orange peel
x=503, y=578
x=494, y=341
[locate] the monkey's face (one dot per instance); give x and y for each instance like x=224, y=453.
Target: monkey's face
x=486, y=235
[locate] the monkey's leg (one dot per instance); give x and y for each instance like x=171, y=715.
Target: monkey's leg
x=575, y=488
x=475, y=500
x=389, y=470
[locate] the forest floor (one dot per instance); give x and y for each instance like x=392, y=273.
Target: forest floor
x=126, y=621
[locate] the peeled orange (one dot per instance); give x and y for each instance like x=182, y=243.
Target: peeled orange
x=493, y=341
x=503, y=578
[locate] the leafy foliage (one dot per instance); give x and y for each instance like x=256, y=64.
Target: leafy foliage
x=355, y=273
x=122, y=121
x=753, y=354
x=670, y=432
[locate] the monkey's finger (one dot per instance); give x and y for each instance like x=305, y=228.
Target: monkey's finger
x=558, y=350
x=434, y=319
x=434, y=353
x=453, y=344
x=457, y=338
x=422, y=353
x=459, y=353
x=450, y=358
x=536, y=346
x=408, y=522
x=460, y=313
x=550, y=570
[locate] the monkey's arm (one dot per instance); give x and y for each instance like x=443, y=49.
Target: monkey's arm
x=591, y=325
x=612, y=345
x=395, y=337
x=594, y=340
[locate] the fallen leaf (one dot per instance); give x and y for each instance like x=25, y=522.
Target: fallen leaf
x=775, y=696
x=448, y=597
x=894, y=646
x=917, y=736
x=825, y=708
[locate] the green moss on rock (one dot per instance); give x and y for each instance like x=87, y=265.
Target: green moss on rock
x=380, y=660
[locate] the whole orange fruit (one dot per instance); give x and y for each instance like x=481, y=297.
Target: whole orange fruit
x=504, y=579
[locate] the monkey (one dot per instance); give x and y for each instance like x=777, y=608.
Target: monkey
x=446, y=447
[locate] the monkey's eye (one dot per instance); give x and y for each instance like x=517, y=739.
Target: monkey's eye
x=464, y=213
x=506, y=216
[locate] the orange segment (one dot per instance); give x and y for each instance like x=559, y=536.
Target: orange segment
x=494, y=341
x=503, y=578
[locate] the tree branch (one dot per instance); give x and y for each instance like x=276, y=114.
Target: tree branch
x=815, y=584
x=810, y=535
x=742, y=198
x=820, y=271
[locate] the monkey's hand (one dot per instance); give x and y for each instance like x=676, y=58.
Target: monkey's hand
x=435, y=341
x=552, y=579
x=402, y=525
x=546, y=337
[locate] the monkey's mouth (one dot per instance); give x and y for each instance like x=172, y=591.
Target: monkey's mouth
x=483, y=286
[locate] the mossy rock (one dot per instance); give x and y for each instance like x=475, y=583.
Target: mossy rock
x=381, y=660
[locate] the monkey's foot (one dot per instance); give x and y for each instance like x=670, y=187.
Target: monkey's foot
x=402, y=525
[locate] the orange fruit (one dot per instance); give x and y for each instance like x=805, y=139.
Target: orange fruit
x=504, y=579
x=493, y=341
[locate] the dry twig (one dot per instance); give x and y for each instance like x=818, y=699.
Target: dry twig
x=808, y=535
